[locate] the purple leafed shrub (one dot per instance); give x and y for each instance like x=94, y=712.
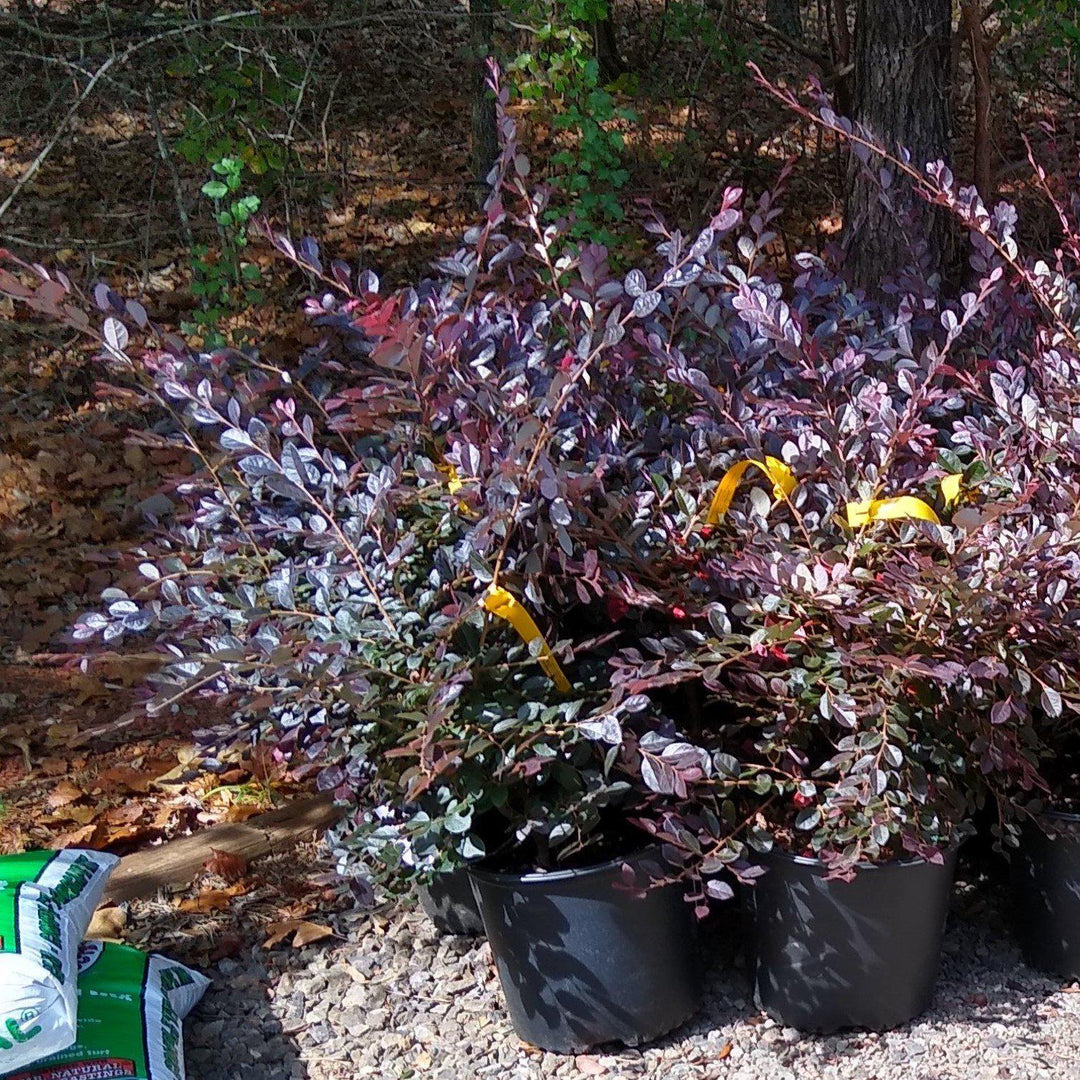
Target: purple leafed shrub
x=883, y=676
x=324, y=578
x=527, y=420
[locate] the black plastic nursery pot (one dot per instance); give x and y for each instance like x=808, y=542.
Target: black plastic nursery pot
x=848, y=954
x=448, y=901
x=1046, y=893
x=583, y=960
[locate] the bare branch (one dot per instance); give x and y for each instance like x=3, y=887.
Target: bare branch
x=114, y=59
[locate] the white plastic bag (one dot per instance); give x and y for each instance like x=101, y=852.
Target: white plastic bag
x=46, y=901
x=131, y=1009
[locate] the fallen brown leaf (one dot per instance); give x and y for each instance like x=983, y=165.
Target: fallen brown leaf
x=303, y=933
x=66, y=734
x=163, y=816
x=107, y=923
x=89, y=689
x=159, y=766
x=126, y=778
x=63, y=793
x=74, y=838
x=124, y=815
x=299, y=909
x=81, y=815
x=126, y=838
x=186, y=757
x=227, y=865
x=210, y=900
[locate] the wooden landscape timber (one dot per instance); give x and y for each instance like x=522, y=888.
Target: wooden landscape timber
x=177, y=862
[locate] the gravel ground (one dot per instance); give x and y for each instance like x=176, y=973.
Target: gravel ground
x=391, y=1001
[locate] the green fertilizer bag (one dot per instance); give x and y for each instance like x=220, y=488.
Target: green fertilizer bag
x=131, y=1008
x=46, y=901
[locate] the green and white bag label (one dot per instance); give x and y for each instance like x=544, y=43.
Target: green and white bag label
x=47, y=899
x=131, y=1009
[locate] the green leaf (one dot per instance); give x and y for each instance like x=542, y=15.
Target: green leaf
x=472, y=847
x=1051, y=701
x=947, y=459
x=457, y=823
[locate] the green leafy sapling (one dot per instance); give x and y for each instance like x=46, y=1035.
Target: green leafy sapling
x=223, y=281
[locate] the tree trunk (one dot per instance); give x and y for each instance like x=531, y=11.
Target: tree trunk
x=607, y=50
x=839, y=9
x=485, y=139
x=785, y=16
x=982, y=45
x=836, y=17
x=901, y=58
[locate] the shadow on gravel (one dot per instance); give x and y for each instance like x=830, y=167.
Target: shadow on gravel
x=254, y=1021
x=236, y=1032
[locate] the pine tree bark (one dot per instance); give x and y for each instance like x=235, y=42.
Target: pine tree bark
x=485, y=139
x=901, y=65
x=785, y=16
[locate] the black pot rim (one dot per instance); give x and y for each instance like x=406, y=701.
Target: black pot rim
x=576, y=873
x=915, y=860
x=1060, y=815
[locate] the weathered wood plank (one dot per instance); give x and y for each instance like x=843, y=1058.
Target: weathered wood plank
x=179, y=861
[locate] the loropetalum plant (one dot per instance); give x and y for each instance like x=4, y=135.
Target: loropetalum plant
x=897, y=638
x=842, y=654
x=329, y=577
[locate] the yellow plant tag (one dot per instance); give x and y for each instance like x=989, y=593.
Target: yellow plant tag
x=897, y=508
x=951, y=487
x=504, y=606
x=783, y=481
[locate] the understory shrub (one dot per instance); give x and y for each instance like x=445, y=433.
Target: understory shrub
x=532, y=553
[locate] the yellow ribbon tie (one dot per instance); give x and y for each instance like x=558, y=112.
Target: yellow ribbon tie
x=504, y=606
x=453, y=481
x=454, y=484
x=951, y=487
x=897, y=508
x=783, y=481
